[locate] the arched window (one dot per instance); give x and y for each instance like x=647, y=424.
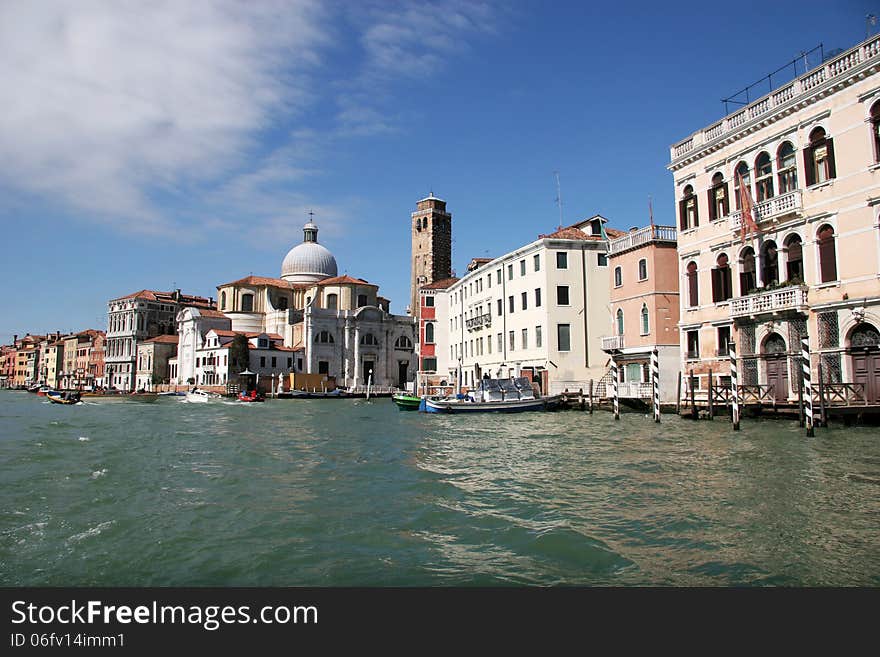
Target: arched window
x=645, y=326
x=819, y=158
x=764, y=176
x=619, y=321
x=687, y=209
x=786, y=164
x=875, y=129
x=643, y=269
x=618, y=277
x=693, y=296
x=429, y=333
x=332, y=301
x=721, y=286
x=247, y=303
x=742, y=173
x=747, y=279
x=827, y=254
x=369, y=340
x=794, y=262
x=718, y=203
x=769, y=263
x=223, y=301
x=324, y=337
x=403, y=342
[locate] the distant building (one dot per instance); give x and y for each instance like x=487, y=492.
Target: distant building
x=431, y=232
x=539, y=311
x=152, y=361
x=434, y=311
x=137, y=317
x=335, y=325
x=643, y=268
x=193, y=325
x=808, y=156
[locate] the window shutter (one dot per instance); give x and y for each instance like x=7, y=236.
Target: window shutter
x=832, y=171
x=726, y=202
x=716, y=285
x=808, y=166
x=682, y=217
x=827, y=259
x=692, y=288
x=696, y=212
x=711, y=196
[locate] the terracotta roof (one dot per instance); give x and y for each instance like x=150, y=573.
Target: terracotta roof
x=164, y=339
x=205, y=312
x=169, y=297
x=226, y=333
x=338, y=280
x=264, y=280
x=442, y=284
x=271, y=336
x=614, y=233
x=570, y=233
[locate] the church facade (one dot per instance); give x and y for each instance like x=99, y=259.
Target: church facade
x=334, y=325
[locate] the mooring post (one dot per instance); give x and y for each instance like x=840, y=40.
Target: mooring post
x=808, y=388
x=591, y=396
x=711, y=402
x=693, y=396
x=678, y=395
x=822, y=396
x=616, y=401
x=581, y=398
x=734, y=386
x=800, y=402
x=655, y=383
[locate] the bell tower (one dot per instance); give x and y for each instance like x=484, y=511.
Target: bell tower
x=431, y=246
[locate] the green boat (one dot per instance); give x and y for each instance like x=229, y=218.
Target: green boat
x=406, y=402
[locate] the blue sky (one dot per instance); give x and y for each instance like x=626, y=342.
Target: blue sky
x=181, y=144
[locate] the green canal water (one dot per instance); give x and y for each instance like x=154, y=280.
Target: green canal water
x=349, y=493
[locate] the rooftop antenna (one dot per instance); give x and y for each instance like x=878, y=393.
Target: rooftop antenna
x=651, y=210
x=559, y=198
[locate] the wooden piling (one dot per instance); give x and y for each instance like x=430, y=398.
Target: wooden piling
x=800, y=402
x=824, y=421
x=678, y=396
x=711, y=404
x=591, y=396
x=694, y=414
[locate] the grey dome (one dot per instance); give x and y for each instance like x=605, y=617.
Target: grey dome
x=308, y=262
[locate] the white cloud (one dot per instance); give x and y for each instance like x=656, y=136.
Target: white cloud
x=106, y=103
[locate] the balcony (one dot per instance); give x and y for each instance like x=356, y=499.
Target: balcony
x=772, y=208
x=637, y=238
x=771, y=302
x=612, y=343
x=478, y=322
x=839, y=70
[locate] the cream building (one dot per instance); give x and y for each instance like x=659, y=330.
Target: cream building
x=809, y=154
x=335, y=325
x=539, y=311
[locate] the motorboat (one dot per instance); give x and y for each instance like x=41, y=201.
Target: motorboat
x=66, y=398
x=252, y=396
x=494, y=396
x=199, y=396
x=406, y=402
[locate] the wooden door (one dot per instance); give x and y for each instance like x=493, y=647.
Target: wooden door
x=777, y=377
x=866, y=370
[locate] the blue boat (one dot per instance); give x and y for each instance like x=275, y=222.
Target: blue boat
x=495, y=396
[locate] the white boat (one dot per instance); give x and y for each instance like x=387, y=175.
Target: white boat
x=494, y=396
x=197, y=396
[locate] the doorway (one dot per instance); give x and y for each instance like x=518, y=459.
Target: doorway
x=864, y=349
x=776, y=361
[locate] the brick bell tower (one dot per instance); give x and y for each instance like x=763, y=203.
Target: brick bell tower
x=431, y=228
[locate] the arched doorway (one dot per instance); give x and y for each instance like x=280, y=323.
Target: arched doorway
x=864, y=351
x=776, y=361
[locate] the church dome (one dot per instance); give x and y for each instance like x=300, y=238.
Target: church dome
x=308, y=262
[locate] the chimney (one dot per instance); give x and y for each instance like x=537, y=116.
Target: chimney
x=15, y=338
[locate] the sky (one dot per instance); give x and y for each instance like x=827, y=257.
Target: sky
x=182, y=144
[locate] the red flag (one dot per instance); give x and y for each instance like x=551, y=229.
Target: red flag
x=747, y=219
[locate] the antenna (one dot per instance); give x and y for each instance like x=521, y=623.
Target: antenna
x=651, y=210
x=559, y=198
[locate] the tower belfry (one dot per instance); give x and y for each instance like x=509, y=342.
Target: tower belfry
x=431, y=229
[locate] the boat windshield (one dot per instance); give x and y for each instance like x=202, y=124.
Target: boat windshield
x=507, y=385
x=490, y=385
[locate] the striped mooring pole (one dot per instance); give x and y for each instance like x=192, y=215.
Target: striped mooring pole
x=734, y=386
x=655, y=383
x=614, y=388
x=808, y=386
